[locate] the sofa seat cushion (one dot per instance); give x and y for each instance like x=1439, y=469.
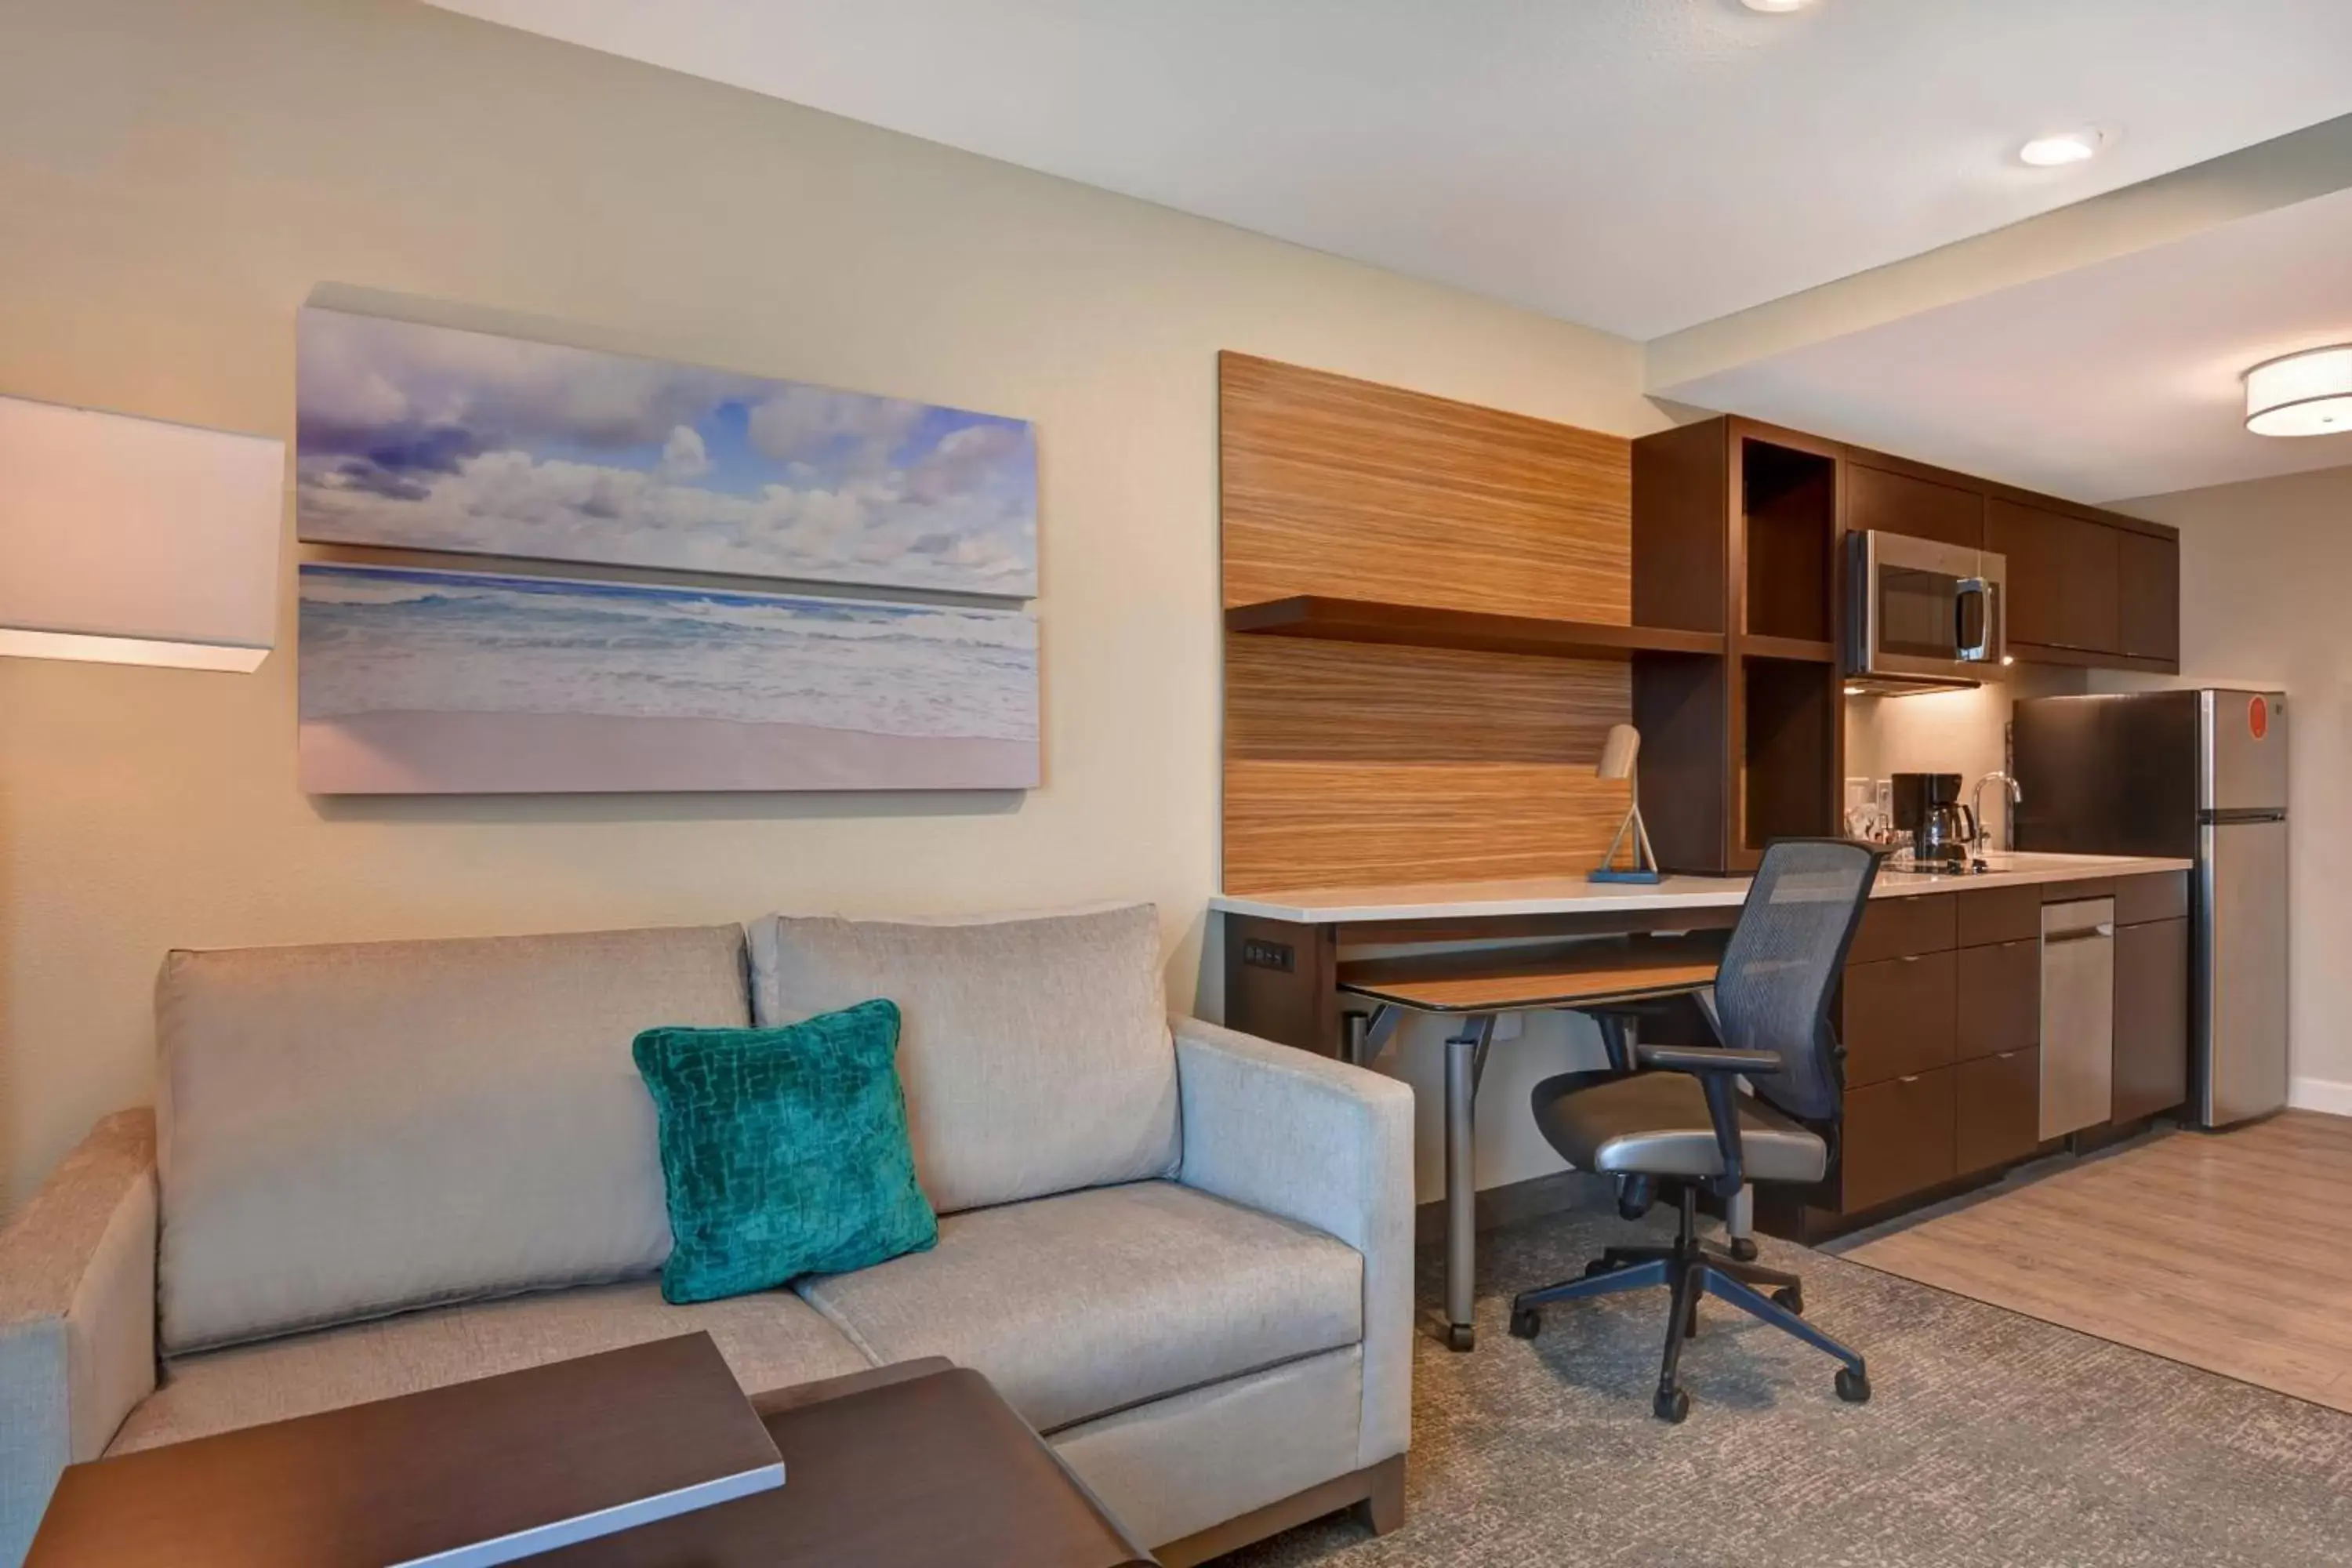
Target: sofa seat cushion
x=770, y=1339
x=1035, y=1049
x=1088, y=1302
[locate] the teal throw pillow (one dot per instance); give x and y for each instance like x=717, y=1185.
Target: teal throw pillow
x=784, y=1151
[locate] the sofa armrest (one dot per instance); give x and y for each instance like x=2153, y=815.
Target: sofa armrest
x=77, y=1316
x=1327, y=1145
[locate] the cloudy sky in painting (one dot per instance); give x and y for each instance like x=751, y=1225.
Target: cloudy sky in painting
x=432, y=439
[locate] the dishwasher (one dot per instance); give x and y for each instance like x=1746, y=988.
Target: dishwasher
x=2078, y=1015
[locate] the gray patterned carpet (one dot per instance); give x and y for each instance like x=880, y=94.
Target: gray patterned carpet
x=1993, y=1439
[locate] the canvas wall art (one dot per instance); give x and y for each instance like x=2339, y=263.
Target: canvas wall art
x=419, y=682
x=425, y=437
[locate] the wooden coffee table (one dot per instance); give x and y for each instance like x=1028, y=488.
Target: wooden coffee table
x=460, y=1477
x=920, y=1465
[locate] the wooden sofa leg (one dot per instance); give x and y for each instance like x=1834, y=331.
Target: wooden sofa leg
x=1381, y=1509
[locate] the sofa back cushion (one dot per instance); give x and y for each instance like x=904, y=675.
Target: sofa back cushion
x=344, y=1131
x=1035, y=1050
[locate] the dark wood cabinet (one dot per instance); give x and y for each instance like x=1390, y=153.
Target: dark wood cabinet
x=1996, y=1110
x=2065, y=577
x=1739, y=531
x=2148, y=573
x=2151, y=1059
x=1989, y=915
x=2156, y=896
x=1999, y=995
x=1898, y=928
x=1880, y=500
x=1899, y=1017
x=1736, y=532
x=1897, y=1139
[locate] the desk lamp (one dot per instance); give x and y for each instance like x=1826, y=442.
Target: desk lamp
x=1617, y=754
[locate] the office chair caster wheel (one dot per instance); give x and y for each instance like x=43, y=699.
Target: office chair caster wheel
x=1852, y=1386
x=1461, y=1337
x=1791, y=1296
x=1526, y=1323
x=1673, y=1406
x=1743, y=1249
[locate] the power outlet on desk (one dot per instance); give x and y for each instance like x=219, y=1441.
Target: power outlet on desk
x=1261, y=955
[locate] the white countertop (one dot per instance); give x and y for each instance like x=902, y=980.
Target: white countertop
x=1574, y=894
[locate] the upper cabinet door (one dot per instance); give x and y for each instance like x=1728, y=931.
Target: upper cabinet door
x=1883, y=501
x=2151, y=597
x=2063, y=576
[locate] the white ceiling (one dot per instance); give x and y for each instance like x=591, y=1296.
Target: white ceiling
x=1638, y=165
x=2113, y=380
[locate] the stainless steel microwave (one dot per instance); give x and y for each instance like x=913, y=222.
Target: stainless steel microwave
x=1922, y=614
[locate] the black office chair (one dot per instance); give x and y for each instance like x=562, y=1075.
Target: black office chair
x=1668, y=1119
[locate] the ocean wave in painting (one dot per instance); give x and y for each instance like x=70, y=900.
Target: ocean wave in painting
x=378, y=640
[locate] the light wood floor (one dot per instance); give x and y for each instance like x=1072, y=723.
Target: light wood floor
x=2230, y=1251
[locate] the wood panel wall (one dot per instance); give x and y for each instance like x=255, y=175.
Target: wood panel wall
x=1354, y=765
x=1360, y=492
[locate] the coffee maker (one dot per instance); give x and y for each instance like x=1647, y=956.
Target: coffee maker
x=1928, y=807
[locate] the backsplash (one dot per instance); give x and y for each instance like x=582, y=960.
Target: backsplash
x=1963, y=732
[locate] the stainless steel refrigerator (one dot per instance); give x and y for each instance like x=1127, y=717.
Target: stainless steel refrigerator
x=2202, y=775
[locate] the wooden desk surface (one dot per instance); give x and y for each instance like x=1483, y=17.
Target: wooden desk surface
x=1567, y=974
x=455, y=1475
x=932, y=1471
x=1576, y=896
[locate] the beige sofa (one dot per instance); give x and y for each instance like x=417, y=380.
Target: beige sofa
x=1182, y=1254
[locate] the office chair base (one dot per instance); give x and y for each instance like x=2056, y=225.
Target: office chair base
x=1691, y=1268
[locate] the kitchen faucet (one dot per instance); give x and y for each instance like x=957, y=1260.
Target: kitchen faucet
x=1976, y=809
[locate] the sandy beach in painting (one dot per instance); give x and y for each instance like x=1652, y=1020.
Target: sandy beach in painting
x=495, y=754
x=426, y=682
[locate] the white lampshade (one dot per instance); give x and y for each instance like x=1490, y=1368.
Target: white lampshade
x=2307, y=393
x=129, y=540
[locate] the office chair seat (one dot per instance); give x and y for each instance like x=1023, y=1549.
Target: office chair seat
x=1656, y=1124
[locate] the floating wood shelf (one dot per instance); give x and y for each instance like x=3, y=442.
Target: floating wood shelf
x=1795, y=650
x=1420, y=626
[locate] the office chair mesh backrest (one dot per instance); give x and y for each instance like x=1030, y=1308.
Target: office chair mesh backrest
x=1772, y=993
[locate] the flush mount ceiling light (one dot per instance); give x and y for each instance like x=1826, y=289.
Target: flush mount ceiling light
x=2305, y=394
x=2062, y=147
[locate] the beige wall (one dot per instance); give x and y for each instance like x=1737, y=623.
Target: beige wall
x=178, y=177
x=2266, y=601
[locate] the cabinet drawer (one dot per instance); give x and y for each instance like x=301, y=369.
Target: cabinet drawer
x=1997, y=1109
x=1896, y=928
x=1899, y=1017
x=1999, y=998
x=2000, y=914
x=1897, y=1139
x=2161, y=896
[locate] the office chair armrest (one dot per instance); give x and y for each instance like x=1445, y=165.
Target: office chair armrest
x=1717, y=1070
x=1705, y=1060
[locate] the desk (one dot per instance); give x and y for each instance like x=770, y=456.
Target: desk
x=1476, y=986
x=1293, y=960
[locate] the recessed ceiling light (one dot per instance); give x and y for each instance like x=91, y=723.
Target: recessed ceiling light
x=2062, y=147
x=1775, y=8
x=2307, y=393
